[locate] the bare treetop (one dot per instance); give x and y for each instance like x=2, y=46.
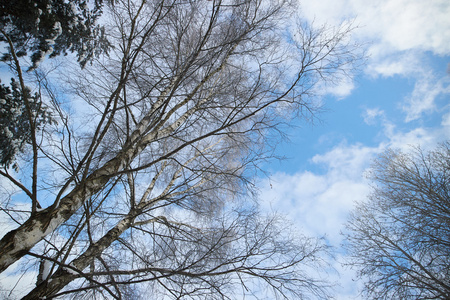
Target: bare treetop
x=399, y=240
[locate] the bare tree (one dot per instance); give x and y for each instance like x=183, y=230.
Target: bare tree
x=148, y=185
x=399, y=240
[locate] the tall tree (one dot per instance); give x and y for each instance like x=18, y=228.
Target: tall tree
x=399, y=240
x=148, y=184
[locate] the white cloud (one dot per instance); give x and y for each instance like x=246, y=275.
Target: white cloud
x=370, y=115
x=399, y=24
x=392, y=28
x=319, y=203
x=427, y=91
x=14, y=284
x=348, y=160
x=348, y=285
x=7, y=189
x=422, y=99
x=446, y=121
x=409, y=24
x=327, y=11
x=427, y=138
x=341, y=89
x=406, y=63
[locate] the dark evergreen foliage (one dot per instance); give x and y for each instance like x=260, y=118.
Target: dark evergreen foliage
x=52, y=27
x=15, y=127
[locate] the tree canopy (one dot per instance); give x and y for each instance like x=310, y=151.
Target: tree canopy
x=144, y=182
x=399, y=240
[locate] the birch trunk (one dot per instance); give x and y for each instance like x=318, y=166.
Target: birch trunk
x=16, y=243
x=64, y=275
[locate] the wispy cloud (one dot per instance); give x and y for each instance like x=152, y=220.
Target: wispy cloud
x=319, y=202
x=403, y=63
x=371, y=115
x=422, y=100
x=446, y=121
x=14, y=284
x=340, y=89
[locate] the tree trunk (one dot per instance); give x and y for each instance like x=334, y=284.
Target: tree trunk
x=16, y=243
x=64, y=275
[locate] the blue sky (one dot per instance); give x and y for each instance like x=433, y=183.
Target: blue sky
x=400, y=97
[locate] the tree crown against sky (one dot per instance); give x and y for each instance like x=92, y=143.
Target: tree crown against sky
x=399, y=240
x=144, y=182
